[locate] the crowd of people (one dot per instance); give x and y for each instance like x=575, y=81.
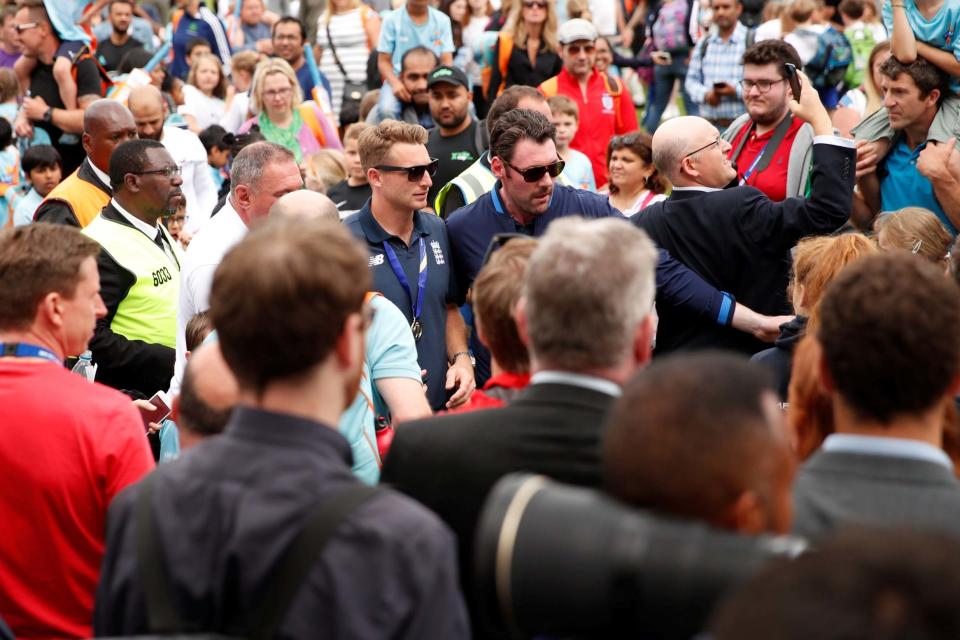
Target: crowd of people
x=288, y=290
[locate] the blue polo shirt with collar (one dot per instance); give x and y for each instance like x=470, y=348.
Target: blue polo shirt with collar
x=441, y=287
x=901, y=185
x=472, y=227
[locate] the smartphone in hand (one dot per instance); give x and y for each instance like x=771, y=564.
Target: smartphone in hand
x=666, y=56
x=794, y=79
x=157, y=415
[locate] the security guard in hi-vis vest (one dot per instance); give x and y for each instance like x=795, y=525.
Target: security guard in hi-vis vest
x=134, y=345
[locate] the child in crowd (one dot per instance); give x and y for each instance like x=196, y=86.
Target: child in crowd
x=175, y=224
x=204, y=95
x=324, y=169
x=417, y=24
x=351, y=194
x=43, y=169
x=9, y=90
x=566, y=117
x=218, y=152
x=195, y=48
x=9, y=172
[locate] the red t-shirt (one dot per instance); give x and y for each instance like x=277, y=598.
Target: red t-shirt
x=599, y=120
x=479, y=400
x=67, y=447
x=772, y=180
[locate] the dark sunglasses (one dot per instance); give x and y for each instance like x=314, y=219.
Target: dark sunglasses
x=414, y=174
x=624, y=140
x=533, y=174
x=497, y=242
x=574, y=49
x=534, y=5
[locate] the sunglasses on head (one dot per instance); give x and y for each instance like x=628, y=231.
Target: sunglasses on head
x=414, y=174
x=533, y=174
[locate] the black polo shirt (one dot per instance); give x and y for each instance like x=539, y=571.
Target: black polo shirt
x=440, y=288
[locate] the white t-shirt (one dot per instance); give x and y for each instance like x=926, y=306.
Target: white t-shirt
x=604, y=13
x=206, y=109
x=237, y=113
x=804, y=40
x=198, y=188
x=204, y=254
x=769, y=30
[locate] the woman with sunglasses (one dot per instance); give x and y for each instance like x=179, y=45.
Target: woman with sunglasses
x=634, y=182
x=527, y=51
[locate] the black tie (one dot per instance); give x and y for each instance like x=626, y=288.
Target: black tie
x=159, y=241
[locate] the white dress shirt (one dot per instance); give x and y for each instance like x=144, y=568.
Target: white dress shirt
x=204, y=254
x=198, y=188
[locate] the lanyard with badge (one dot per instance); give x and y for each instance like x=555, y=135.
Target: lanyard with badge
x=762, y=161
x=26, y=350
x=417, y=304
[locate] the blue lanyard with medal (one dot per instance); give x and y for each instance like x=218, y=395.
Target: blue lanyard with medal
x=26, y=350
x=417, y=304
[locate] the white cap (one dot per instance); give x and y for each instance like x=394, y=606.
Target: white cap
x=576, y=29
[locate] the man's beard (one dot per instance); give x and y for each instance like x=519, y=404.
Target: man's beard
x=456, y=122
x=121, y=32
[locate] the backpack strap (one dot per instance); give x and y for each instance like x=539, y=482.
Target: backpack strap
x=300, y=558
x=364, y=18
x=615, y=89
x=154, y=576
x=283, y=584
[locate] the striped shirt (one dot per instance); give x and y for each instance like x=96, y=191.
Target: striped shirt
x=350, y=39
x=721, y=62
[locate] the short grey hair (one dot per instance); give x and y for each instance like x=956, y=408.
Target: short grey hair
x=589, y=285
x=248, y=165
x=668, y=154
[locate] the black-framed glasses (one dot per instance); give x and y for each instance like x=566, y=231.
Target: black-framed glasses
x=166, y=172
x=762, y=85
x=414, y=174
x=25, y=26
x=705, y=147
x=497, y=242
x=534, y=174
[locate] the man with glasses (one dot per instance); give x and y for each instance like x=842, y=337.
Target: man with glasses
x=606, y=108
x=772, y=149
x=133, y=345
x=737, y=238
x=410, y=255
x=416, y=66
x=43, y=107
x=288, y=38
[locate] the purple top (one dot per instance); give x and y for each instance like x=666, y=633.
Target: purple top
x=7, y=59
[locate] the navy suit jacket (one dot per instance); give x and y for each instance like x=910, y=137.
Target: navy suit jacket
x=739, y=241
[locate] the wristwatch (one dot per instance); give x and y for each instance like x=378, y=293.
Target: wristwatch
x=48, y=115
x=453, y=358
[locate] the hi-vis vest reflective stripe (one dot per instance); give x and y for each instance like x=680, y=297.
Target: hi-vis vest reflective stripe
x=149, y=312
x=84, y=199
x=475, y=181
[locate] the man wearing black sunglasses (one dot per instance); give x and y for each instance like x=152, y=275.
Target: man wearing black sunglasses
x=410, y=255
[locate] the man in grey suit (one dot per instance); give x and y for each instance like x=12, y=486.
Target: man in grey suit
x=890, y=336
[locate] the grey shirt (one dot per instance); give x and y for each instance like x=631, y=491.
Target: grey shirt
x=228, y=509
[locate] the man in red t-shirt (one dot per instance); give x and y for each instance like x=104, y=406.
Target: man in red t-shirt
x=772, y=149
x=67, y=446
x=606, y=107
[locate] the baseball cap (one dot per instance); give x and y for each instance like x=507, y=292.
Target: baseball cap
x=576, y=29
x=450, y=75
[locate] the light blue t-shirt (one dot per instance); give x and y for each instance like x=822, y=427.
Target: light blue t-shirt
x=901, y=185
x=399, y=34
x=578, y=170
x=941, y=31
x=65, y=16
x=390, y=353
x=25, y=207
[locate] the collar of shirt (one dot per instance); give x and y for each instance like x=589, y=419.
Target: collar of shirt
x=577, y=380
x=143, y=227
x=739, y=34
x=498, y=203
x=698, y=187
x=100, y=174
x=285, y=430
x=883, y=446
x=375, y=233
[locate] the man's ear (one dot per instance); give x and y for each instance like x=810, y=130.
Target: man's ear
x=349, y=345
x=932, y=97
x=520, y=317
x=823, y=372
x=643, y=340
x=496, y=165
x=85, y=141
x=746, y=515
x=373, y=177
